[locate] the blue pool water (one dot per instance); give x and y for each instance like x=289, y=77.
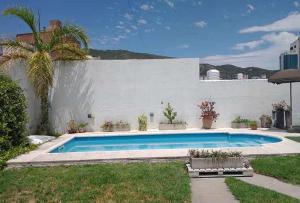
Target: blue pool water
x=163, y=141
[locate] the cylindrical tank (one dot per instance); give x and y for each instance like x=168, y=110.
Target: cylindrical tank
x=240, y=76
x=213, y=74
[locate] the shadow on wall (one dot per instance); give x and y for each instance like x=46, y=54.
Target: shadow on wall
x=71, y=95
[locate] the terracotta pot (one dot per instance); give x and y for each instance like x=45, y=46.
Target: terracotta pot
x=253, y=127
x=207, y=122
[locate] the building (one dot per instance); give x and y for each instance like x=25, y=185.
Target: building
x=291, y=58
x=46, y=34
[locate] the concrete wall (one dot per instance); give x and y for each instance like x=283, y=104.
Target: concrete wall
x=123, y=89
x=18, y=73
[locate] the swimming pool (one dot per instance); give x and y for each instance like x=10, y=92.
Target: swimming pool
x=162, y=141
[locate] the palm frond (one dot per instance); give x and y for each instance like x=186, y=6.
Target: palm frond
x=69, y=32
x=29, y=18
x=68, y=51
x=7, y=59
x=40, y=72
x=11, y=45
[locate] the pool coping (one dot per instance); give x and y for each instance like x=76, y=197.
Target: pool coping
x=42, y=157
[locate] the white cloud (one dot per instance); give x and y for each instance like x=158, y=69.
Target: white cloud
x=167, y=27
x=170, y=3
x=134, y=27
x=200, y=24
x=128, y=16
x=289, y=23
x=146, y=7
x=265, y=58
x=248, y=45
x=183, y=46
x=142, y=21
x=119, y=27
x=296, y=4
x=118, y=38
x=250, y=8
x=149, y=30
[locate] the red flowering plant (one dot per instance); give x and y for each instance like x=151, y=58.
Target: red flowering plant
x=207, y=110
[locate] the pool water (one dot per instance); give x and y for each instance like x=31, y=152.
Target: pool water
x=163, y=141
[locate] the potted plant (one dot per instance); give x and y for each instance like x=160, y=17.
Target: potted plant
x=122, y=126
x=208, y=114
x=266, y=121
x=205, y=159
x=82, y=127
x=239, y=122
x=170, y=114
x=279, y=110
x=142, y=120
x=253, y=125
x=72, y=127
x=108, y=126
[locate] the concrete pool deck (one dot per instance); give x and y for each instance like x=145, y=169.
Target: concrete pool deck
x=42, y=157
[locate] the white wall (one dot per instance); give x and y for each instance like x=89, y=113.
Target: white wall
x=123, y=89
x=18, y=73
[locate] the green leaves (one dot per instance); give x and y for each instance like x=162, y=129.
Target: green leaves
x=13, y=116
x=40, y=72
x=169, y=113
x=29, y=18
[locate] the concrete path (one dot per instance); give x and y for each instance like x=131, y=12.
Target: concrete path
x=209, y=190
x=273, y=184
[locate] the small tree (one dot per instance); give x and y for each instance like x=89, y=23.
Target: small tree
x=170, y=114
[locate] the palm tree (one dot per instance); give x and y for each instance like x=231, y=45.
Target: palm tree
x=40, y=55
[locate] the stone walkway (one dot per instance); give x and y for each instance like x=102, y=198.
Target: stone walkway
x=273, y=184
x=209, y=190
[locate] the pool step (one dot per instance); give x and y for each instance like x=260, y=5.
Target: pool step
x=219, y=172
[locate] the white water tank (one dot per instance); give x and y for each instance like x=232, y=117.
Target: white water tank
x=240, y=76
x=213, y=74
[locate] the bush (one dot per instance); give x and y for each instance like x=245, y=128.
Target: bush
x=14, y=152
x=13, y=117
x=142, y=119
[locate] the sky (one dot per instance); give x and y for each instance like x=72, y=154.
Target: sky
x=239, y=32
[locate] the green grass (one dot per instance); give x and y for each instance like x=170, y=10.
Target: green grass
x=138, y=182
x=285, y=168
x=247, y=193
x=297, y=139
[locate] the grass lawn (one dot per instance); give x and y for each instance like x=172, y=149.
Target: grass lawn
x=136, y=182
x=285, y=168
x=297, y=139
x=247, y=193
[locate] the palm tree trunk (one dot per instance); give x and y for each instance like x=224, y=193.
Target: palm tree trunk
x=44, y=127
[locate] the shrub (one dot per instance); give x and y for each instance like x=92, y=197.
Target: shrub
x=14, y=152
x=13, y=117
x=74, y=127
x=193, y=153
x=169, y=113
x=208, y=110
x=241, y=120
x=108, y=126
x=142, y=119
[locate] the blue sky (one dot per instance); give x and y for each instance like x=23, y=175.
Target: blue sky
x=240, y=32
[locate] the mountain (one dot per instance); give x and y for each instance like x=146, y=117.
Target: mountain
x=228, y=72
x=123, y=54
